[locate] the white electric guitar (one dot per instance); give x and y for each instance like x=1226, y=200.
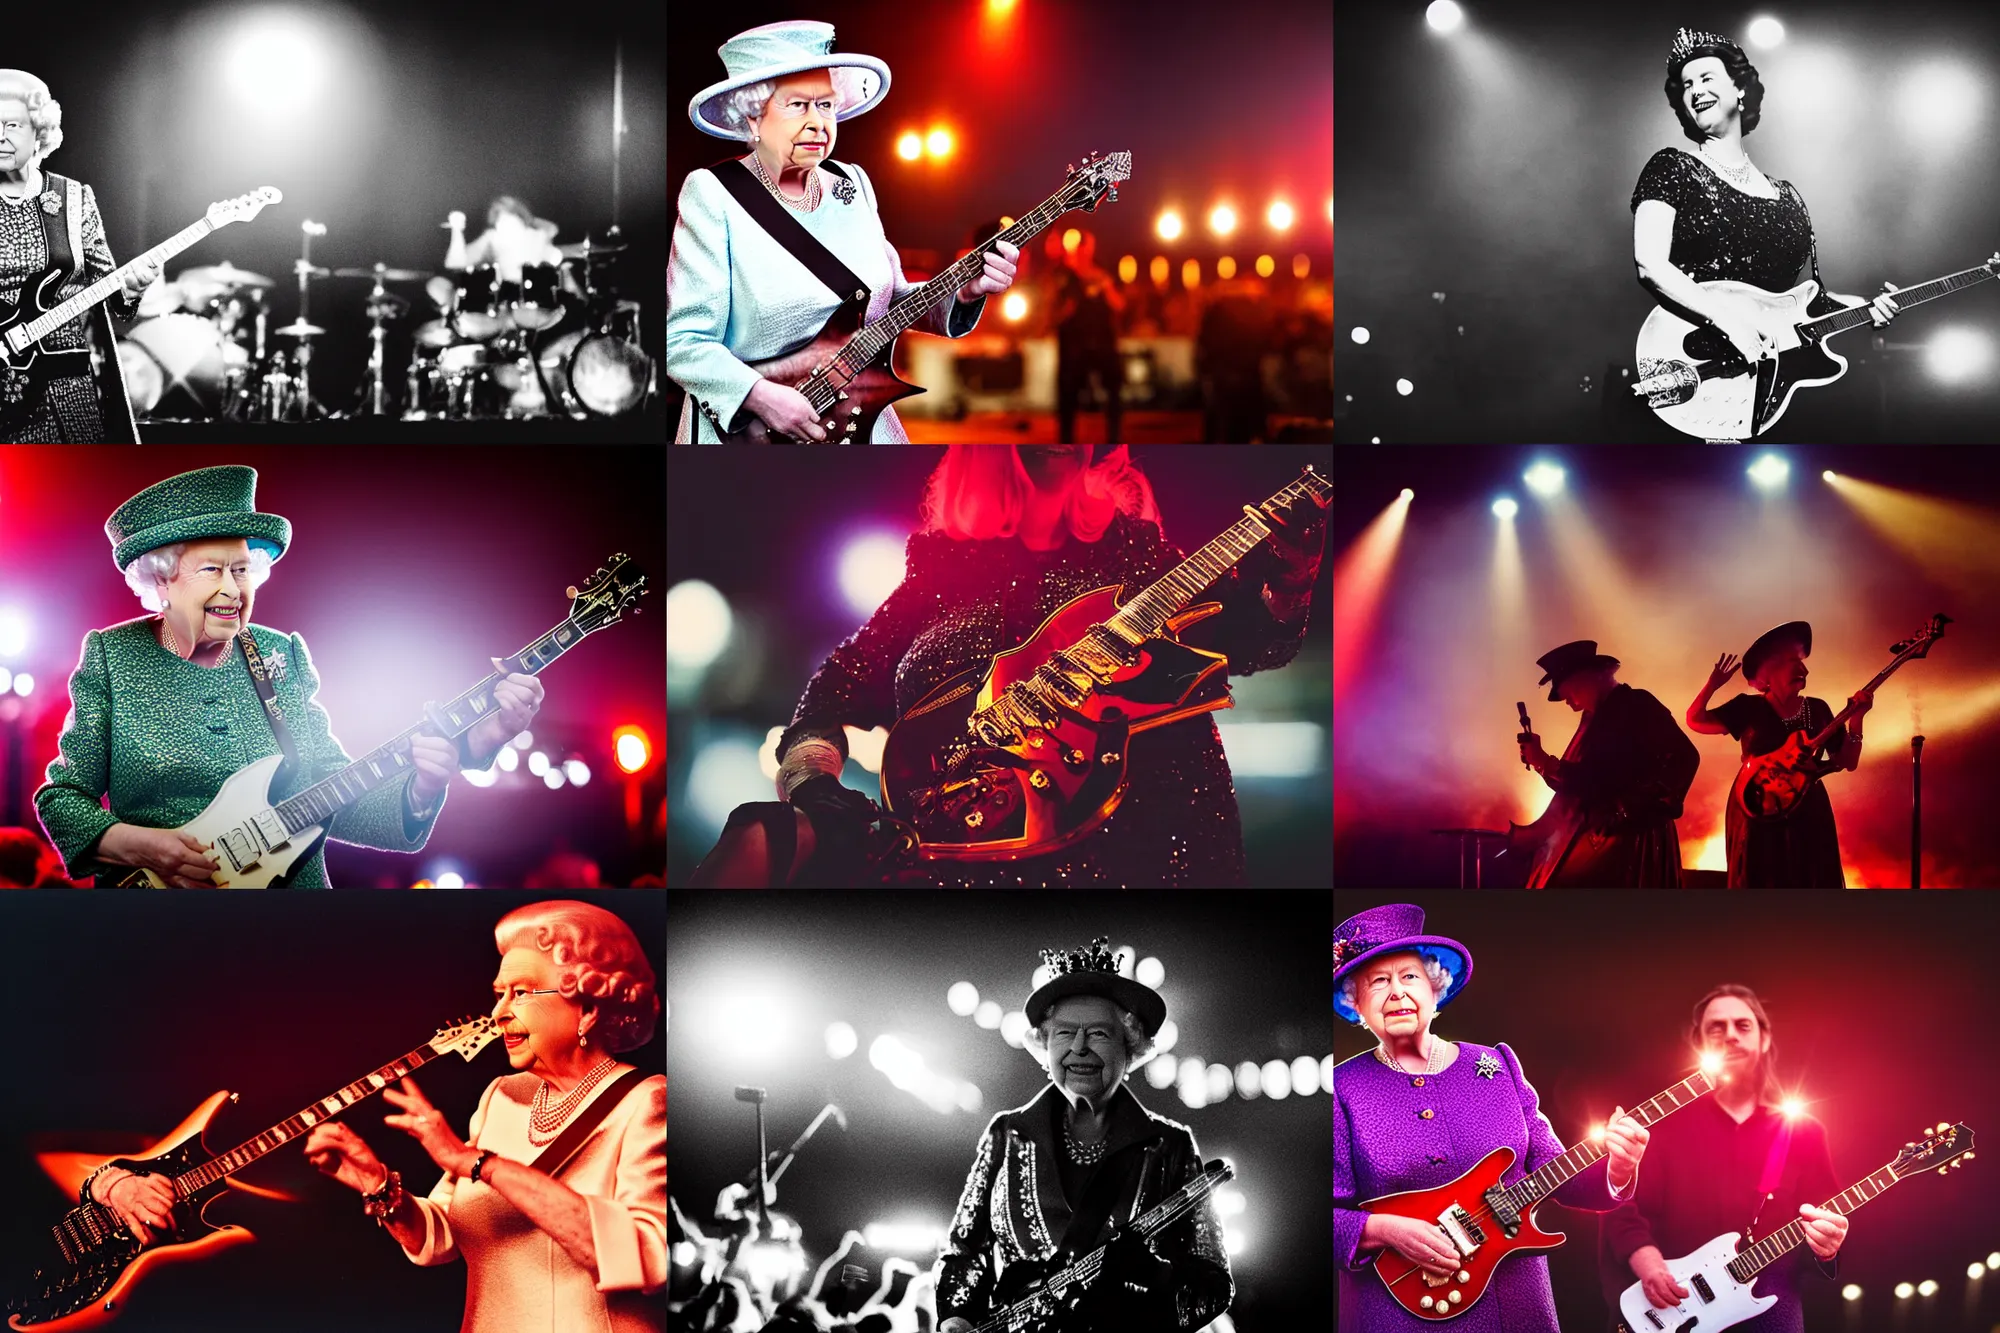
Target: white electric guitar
x=1720, y=1279
x=258, y=843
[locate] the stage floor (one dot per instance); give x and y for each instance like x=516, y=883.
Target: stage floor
x=649, y=429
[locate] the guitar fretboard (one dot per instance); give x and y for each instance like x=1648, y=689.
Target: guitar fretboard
x=40, y=326
x=1789, y=1237
x=1538, y=1185
x=1840, y=321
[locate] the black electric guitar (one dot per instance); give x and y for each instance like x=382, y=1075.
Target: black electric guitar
x=847, y=371
x=1040, y=1296
x=1696, y=381
x=38, y=312
x=1027, y=754
x=86, y=1266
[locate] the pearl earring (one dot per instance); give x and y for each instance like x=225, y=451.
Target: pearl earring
x=581, y=1039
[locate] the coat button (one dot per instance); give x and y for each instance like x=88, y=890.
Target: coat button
x=1417, y=1082
x=1425, y=1113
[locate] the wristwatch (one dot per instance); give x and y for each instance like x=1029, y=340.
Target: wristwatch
x=478, y=1163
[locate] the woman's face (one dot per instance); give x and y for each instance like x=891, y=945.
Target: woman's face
x=1087, y=1054
x=539, y=1030
x=1052, y=467
x=17, y=136
x=1784, y=671
x=798, y=123
x=1393, y=995
x=1708, y=94
x=210, y=597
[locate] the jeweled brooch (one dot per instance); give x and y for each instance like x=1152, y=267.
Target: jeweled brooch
x=1488, y=1066
x=50, y=203
x=1352, y=947
x=844, y=191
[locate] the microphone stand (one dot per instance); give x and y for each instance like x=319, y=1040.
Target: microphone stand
x=756, y=1097
x=782, y=1160
x=1916, y=812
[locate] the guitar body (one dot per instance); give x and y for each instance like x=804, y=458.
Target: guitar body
x=1715, y=1300
x=853, y=418
x=1063, y=775
x=257, y=851
x=21, y=375
x=1773, y=786
x=90, y=1285
x=1725, y=400
x=1430, y=1297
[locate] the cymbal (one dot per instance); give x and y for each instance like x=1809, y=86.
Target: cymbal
x=384, y=272
x=298, y=328
x=162, y=298
x=437, y=333
x=590, y=249
x=388, y=306
x=225, y=275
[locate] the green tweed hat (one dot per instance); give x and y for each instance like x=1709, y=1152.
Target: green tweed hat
x=207, y=502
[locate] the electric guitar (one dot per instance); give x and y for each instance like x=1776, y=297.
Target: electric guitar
x=847, y=370
x=86, y=1266
x=1720, y=1279
x=1038, y=1295
x=32, y=317
x=1486, y=1221
x=1771, y=786
x=259, y=842
x=1027, y=754
x=1696, y=381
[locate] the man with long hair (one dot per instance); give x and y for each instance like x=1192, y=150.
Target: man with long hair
x=1743, y=1159
x=1009, y=534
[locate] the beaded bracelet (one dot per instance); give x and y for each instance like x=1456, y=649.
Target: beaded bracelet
x=383, y=1203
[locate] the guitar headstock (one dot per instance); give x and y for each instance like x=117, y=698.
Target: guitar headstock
x=1943, y=1148
x=1919, y=644
x=1992, y=264
x=468, y=1036
x=604, y=599
x=244, y=206
x=1097, y=178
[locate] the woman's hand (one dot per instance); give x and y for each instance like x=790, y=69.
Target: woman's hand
x=518, y=697
x=1861, y=701
x=1725, y=667
x=1422, y=1243
x=785, y=410
x=998, y=275
x=436, y=760
x=1825, y=1231
x=1662, y=1291
x=139, y=277
x=422, y=1122
x=339, y=1152
x=1533, y=755
x=1749, y=341
x=1625, y=1139
x=1880, y=310
x=183, y=861
x=144, y=1204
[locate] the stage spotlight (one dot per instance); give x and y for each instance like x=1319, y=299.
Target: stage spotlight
x=1505, y=507
x=1249, y=1080
x=1444, y=16
x=1851, y=1292
x=1939, y=103
x=538, y=763
x=1169, y=226
x=870, y=568
x=1225, y=267
x=1222, y=219
x=1014, y=307
x=1769, y=471
x=698, y=623
x=939, y=143
x=1711, y=1063
x=1150, y=972
x=1544, y=478
x=1793, y=1108
x=1160, y=1071
x=1958, y=354
x=576, y=771
x=962, y=998
x=24, y=684
x=1220, y=1083
x=1374, y=439
x=633, y=748
x=908, y=1237
x=1305, y=1076
x=1406, y=494
x=476, y=777
x=276, y=62
x=1904, y=1291
x=1013, y=1028
x=1766, y=32
x=450, y=879
x=1405, y=388
x=1927, y=1288
x=1232, y=1239
x=1071, y=239
x=509, y=760
x=1266, y=266
x=1169, y=1033
x=1279, y=215
x=910, y=146
x=1826, y=475
x=841, y=1040
x=6, y=680
x=987, y=1015
x=1128, y=269
x=554, y=779
x=1277, y=1079
x=14, y=624
x=1975, y=1269
x=1993, y=1261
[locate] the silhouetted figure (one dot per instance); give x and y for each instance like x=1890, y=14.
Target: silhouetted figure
x=1086, y=305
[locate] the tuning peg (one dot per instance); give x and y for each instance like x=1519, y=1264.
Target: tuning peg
x=1945, y=1126
x=1943, y=1170
x=1968, y=1156
x=1909, y=1147
x=1070, y=168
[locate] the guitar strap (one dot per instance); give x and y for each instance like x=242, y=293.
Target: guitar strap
x=557, y=1155
x=260, y=676
x=785, y=228
x=63, y=233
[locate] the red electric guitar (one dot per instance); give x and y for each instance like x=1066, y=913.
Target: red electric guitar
x=1487, y=1221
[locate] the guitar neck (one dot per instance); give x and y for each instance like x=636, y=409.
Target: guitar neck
x=43, y=324
x=1147, y=614
x=389, y=761
x=1840, y=718
x=189, y=1183
x=1842, y=320
x=1756, y=1258
x=1538, y=1185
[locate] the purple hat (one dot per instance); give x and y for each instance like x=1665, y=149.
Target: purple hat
x=1393, y=928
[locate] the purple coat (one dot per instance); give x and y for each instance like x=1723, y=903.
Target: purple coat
x=1382, y=1145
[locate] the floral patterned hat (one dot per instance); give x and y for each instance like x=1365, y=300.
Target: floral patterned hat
x=1392, y=928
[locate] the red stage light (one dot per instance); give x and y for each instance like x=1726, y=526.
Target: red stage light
x=632, y=747
x=1358, y=582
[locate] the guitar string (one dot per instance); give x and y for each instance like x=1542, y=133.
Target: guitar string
x=39, y=327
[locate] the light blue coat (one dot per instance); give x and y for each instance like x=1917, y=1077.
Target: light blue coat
x=735, y=295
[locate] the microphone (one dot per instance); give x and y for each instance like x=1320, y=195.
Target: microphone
x=1527, y=728
x=746, y=1094
x=839, y=1117
x=311, y=228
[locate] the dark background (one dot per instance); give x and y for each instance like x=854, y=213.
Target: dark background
x=1486, y=179
x=408, y=569
x=766, y=528
x=138, y=1006
x=1877, y=1023
x=1241, y=977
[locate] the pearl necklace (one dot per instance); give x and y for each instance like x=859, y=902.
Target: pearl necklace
x=805, y=205
x=1083, y=1154
x=1738, y=176
x=546, y=1120
x=1431, y=1066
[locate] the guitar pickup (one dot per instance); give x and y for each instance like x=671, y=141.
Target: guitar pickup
x=1504, y=1212
x=1700, y=1284
x=271, y=829
x=1463, y=1231
x=242, y=852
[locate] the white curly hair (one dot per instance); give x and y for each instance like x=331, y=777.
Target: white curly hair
x=1434, y=968
x=1139, y=1048
x=746, y=104
x=599, y=961
x=44, y=117
x=149, y=575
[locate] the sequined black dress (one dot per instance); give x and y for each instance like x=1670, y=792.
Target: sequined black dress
x=1721, y=232
x=962, y=602
x=1801, y=851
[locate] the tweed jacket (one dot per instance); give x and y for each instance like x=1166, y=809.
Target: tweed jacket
x=1013, y=1210
x=159, y=735
x=735, y=295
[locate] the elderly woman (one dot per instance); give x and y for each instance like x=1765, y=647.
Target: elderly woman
x=164, y=709
x=1062, y=1171
x=738, y=293
x=1418, y=1111
x=575, y=1245
x=50, y=221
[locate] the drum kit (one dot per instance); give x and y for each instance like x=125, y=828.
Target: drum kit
x=559, y=342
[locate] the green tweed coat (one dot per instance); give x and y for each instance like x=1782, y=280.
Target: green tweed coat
x=160, y=735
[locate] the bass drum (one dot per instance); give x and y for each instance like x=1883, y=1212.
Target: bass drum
x=180, y=367
x=591, y=372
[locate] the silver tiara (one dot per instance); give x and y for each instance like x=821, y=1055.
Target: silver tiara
x=1689, y=40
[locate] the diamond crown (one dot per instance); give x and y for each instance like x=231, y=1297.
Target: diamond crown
x=1691, y=39
x=1098, y=957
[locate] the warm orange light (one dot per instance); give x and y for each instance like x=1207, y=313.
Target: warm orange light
x=1225, y=267
x=1191, y=273
x=1266, y=266
x=1159, y=270
x=1279, y=215
x=1169, y=226
x=910, y=147
x=1006, y=221
x=939, y=142
x=1597, y=1133
x=1222, y=219
x=1302, y=266
x=1014, y=306
x=1072, y=239
x=1329, y=208
x=632, y=747
x=1000, y=7
x=1128, y=268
